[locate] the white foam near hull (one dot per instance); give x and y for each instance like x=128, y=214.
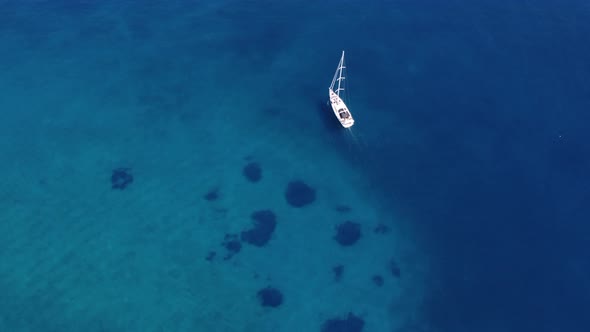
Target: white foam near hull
x=341, y=110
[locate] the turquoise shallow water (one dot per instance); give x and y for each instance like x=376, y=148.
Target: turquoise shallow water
x=126, y=130
x=127, y=127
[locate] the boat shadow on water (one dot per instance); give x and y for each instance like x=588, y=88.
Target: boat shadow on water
x=326, y=114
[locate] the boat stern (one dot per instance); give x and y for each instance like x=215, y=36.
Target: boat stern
x=347, y=123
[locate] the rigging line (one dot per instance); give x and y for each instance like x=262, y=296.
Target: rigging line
x=346, y=85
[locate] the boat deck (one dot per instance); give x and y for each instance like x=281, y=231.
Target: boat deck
x=341, y=110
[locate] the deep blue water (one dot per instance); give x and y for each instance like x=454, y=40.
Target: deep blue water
x=474, y=130
x=499, y=183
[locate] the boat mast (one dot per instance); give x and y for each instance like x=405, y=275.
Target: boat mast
x=338, y=76
x=340, y=67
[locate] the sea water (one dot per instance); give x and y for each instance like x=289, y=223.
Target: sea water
x=173, y=166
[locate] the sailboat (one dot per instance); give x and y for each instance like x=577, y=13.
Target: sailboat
x=338, y=106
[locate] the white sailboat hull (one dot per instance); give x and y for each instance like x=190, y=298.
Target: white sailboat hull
x=341, y=110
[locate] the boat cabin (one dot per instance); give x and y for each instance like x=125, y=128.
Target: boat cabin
x=344, y=114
